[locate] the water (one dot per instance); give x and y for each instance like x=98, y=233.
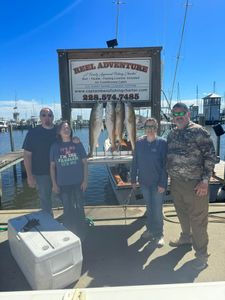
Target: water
x=18, y=195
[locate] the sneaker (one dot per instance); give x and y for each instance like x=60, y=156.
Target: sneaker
x=159, y=242
x=147, y=235
x=180, y=242
x=200, y=263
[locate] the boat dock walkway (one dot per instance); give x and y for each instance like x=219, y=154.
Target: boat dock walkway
x=114, y=254
x=10, y=159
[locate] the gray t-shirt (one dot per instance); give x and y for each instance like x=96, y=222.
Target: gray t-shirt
x=68, y=159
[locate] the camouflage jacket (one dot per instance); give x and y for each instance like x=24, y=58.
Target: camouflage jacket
x=191, y=153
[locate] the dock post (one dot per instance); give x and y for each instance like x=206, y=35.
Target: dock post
x=12, y=149
x=218, y=146
x=23, y=170
x=11, y=138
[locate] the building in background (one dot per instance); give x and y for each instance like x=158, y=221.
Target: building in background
x=194, y=110
x=211, y=108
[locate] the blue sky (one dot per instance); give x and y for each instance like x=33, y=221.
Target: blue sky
x=32, y=31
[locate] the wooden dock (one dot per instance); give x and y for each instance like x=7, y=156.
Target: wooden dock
x=115, y=254
x=10, y=159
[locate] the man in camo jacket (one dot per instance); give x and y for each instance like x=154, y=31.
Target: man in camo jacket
x=190, y=162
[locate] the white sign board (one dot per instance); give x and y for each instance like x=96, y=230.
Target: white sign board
x=110, y=79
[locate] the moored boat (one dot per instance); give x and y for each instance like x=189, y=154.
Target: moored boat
x=3, y=126
x=119, y=176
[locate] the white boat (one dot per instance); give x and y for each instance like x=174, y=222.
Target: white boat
x=119, y=176
x=3, y=126
x=119, y=173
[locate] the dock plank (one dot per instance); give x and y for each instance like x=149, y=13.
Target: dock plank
x=9, y=159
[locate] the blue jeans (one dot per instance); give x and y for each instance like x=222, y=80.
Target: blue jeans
x=74, y=216
x=44, y=188
x=154, y=202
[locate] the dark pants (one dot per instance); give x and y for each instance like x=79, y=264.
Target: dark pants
x=74, y=216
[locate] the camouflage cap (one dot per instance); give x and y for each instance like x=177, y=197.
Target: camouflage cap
x=180, y=105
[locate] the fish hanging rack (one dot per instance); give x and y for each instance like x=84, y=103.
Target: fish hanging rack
x=109, y=157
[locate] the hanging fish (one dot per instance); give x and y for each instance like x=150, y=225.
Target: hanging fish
x=119, y=124
x=95, y=126
x=110, y=118
x=130, y=123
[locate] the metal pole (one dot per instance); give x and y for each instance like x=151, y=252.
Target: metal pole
x=117, y=17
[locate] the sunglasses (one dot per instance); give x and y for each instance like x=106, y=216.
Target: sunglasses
x=150, y=127
x=45, y=115
x=179, y=113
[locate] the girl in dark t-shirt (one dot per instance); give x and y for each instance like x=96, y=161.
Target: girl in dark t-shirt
x=68, y=169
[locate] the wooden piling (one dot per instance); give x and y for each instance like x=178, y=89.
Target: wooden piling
x=12, y=149
x=11, y=138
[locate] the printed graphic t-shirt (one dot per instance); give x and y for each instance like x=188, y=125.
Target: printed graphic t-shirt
x=68, y=159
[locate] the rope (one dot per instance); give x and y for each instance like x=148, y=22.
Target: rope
x=125, y=205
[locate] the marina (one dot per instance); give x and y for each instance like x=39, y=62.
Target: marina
x=16, y=194
x=114, y=252
x=118, y=170
x=109, y=86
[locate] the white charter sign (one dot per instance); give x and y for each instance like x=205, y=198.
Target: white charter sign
x=110, y=79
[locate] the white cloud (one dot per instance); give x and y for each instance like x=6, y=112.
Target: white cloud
x=25, y=108
x=28, y=108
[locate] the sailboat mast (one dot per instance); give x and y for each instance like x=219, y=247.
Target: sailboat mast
x=117, y=15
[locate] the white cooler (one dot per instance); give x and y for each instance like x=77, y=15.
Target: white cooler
x=49, y=255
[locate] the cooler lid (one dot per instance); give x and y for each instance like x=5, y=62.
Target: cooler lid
x=43, y=235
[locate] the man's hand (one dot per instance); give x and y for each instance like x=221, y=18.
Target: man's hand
x=201, y=189
x=31, y=181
